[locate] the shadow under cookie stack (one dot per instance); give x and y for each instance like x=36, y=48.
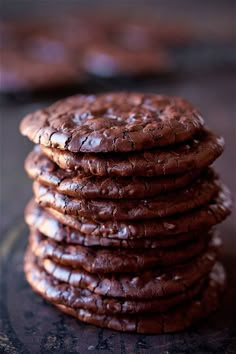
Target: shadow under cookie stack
x=122, y=221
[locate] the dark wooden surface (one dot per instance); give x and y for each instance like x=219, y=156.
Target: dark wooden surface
x=27, y=324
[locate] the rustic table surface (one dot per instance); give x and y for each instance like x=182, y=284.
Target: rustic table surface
x=27, y=323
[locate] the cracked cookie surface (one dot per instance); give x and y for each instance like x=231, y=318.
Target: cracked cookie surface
x=159, y=281
x=195, y=154
x=137, y=315
x=61, y=293
x=182, y=317
x=117, y=122
x=77, y=184
x=105, y=260
x=48, y=225
x=193, y=196
x=199, y=219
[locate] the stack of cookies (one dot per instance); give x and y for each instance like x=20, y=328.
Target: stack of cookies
x=122, y=221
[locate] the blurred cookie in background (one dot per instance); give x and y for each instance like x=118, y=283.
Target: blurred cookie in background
x=25, y=72
x=131, y=48
x=80, y=50
x=42, y=56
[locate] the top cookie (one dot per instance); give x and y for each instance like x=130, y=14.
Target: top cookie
x=117, y=122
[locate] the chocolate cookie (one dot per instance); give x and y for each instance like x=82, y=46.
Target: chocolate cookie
x=195, y=154
x=125, y=43
x=14, y=34
x=42, y=220
x=22, y=72
x=200, y=219
x=118, y=122
x=111, y=60
x=61, y=293
x=173, y=320
x=147, y=284
x=100, y=260
x=77, y=184
x=197, y=194
x=33, y=57
x=43, y=55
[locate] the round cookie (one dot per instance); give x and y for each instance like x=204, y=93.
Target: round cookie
x=100, y=260
x=61, y=293
x=43, y=55
x=195, y=154
x=23, y=72
x=117, y=122
x=14, y=34
x=147, y=284
x=42, y=220
x=195, y=195
x=173, y=320
x=110, y=60
x=125, y=43
x=76, y=184
x=200, y=219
